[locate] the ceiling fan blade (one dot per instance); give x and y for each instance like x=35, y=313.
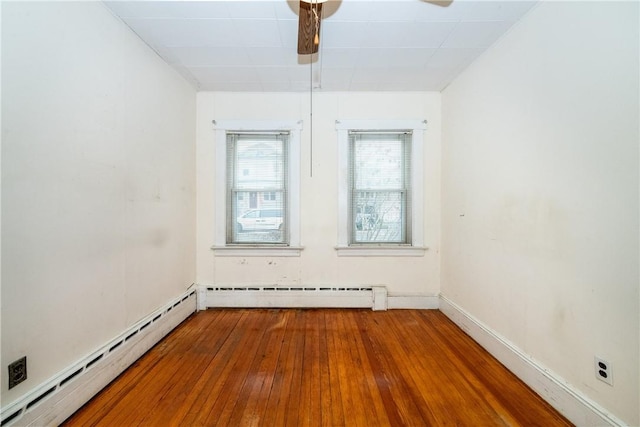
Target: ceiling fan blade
x=442, y=3
x=307, y=30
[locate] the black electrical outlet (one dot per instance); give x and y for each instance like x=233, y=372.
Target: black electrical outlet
x=17, y=372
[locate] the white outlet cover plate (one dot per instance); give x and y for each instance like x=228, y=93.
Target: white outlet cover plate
x=600, y=366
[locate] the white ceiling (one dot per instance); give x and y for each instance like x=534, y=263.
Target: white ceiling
x=366, y=45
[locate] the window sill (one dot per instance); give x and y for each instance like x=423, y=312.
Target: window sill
x=389, y=251
x=257, y=251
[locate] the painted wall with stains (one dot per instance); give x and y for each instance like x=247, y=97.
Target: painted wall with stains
x=540, y=194
x=319, y=263
x=98, y=184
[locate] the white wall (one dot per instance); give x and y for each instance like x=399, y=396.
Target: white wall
x=540, y=194
x=98, y=184
x=319, y=263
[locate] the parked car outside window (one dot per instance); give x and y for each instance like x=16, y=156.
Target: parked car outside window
x=260, y=219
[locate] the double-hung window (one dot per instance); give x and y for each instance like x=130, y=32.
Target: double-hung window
x=257, y=210
x=380, y=187
x=380, y=198
x=257, y=200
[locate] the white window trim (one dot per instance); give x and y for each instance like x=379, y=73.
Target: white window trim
x=220, y=247
x=416, y=248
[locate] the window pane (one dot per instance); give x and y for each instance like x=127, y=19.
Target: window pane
x=257, y=189
x=378, y=217
x=259, y=225
x=379, y=164
x=259, y=164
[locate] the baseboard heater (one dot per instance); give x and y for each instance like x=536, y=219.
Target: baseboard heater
x=55, y=400
x=374, y=297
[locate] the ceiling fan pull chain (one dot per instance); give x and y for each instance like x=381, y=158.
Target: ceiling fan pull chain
x=310, y=119
x=316, y=38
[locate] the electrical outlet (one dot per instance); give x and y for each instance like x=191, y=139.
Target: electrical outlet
x=604, y=372
x=17, y=372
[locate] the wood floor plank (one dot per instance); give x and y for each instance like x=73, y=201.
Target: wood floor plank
x=349, y=374
x=371, y=390
x=310, y=391
x=293, y=413
x=337, y=416
x=281, y=388
x=317, y=367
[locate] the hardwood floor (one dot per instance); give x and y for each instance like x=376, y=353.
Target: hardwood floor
x=320, y=367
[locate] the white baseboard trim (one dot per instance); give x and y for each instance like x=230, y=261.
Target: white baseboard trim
x=55, y=400
x=420, y=302
x=578, y=408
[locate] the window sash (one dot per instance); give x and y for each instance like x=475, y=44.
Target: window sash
x=257, y=188
x=379, y=199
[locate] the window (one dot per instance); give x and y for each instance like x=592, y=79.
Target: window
x=380, y=188
x=257, y=189
x=257, y=167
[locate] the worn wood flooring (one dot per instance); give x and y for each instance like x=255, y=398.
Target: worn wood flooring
x=317, y=367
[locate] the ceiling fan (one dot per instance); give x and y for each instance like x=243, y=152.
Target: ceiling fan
x=309, y=19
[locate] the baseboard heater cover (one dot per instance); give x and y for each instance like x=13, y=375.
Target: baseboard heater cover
x=374, y=297
x=57, y=399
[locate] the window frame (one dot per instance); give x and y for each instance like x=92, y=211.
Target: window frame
x=416, y=225
x=221, y=247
